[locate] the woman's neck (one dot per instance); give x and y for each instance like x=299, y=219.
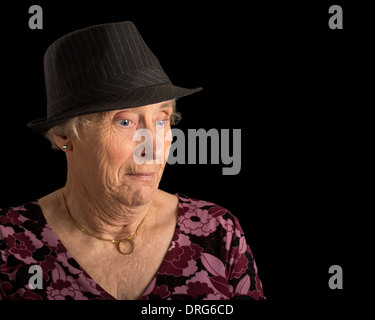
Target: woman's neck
x=100, y=213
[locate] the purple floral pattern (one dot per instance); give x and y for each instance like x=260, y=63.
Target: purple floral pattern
x=208, y=259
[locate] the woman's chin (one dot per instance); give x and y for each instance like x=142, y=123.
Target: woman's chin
x=138, y=195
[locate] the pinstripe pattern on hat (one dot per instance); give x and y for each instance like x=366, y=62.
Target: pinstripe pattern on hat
x=101, y=68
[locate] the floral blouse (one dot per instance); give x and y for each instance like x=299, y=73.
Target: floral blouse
x=208, y=259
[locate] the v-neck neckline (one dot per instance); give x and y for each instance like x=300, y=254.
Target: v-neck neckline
x=87, y=275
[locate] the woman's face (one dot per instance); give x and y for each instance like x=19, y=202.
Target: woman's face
x=103, y=158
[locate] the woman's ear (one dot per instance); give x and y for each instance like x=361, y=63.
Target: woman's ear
x=64, y=143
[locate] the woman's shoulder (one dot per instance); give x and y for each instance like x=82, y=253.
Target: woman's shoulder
x=22, y=216
x=208, y=207
x=31, y=207
x=202, y=217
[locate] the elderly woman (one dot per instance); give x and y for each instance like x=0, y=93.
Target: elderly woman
x=110, y=233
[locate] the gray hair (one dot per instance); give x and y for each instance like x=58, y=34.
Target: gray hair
x=71, y=127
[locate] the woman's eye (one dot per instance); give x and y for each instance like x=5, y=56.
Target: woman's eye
x=161, y=123
x=124, y=122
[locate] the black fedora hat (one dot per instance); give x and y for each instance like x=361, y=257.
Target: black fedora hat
x=101, y=68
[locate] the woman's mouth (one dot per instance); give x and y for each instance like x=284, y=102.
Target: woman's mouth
x=144, y=176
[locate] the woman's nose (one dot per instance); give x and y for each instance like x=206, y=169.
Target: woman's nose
x=151, y=148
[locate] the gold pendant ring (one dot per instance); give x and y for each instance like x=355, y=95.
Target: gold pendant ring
x=132, y=246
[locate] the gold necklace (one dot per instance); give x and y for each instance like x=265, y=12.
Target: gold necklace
x=119, y=242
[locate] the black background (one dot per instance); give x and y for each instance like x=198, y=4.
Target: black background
x=277, y=72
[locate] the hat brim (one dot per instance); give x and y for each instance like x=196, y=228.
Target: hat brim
x=135, y=98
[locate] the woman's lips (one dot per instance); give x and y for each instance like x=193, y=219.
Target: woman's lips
x=145, y=176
